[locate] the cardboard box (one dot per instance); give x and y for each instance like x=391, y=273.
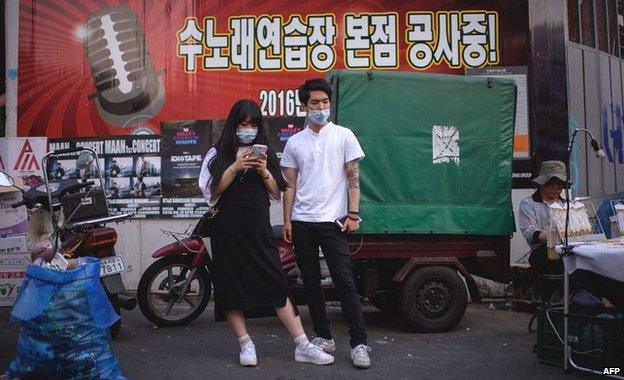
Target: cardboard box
x=10, y=286
x=13, y=244
x=14, y=261
x=12, y=220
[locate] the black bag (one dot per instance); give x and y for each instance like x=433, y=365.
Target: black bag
x=91, y=207
x=204, y=226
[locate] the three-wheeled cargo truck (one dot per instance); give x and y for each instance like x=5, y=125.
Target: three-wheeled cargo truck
x=435, y=188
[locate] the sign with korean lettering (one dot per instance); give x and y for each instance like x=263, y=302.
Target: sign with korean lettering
x=369, y=41
x=174, y=61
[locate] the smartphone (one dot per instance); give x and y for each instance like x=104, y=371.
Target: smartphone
x=258, y=149
x=340, y=222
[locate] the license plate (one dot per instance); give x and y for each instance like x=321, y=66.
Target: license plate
x=112, y=265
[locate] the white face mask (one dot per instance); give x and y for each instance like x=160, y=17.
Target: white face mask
x=246, y=135
x=319, y=117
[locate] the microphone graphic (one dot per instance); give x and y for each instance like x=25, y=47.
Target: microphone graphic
x=128, y=89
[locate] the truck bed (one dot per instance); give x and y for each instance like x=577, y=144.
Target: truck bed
x=484, y=256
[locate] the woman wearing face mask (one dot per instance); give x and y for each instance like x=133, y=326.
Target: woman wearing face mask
x=248, y=276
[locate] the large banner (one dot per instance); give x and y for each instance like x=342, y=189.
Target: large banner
x=104, y=67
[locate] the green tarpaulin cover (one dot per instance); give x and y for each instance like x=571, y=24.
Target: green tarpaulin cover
x=438, y=150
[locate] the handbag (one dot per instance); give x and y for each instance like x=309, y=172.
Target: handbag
x=204, y=226
x=88, y=207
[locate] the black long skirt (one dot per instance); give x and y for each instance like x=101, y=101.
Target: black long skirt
x=248, y=274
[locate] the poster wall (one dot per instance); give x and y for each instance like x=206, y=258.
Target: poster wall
x=156, y=175
x=131, y=169
x=184, y=145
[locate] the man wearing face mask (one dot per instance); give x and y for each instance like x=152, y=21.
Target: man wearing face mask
x=321, y=166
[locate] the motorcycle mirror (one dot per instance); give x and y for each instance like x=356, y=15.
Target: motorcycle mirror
x=5, y=180
x=85, y=158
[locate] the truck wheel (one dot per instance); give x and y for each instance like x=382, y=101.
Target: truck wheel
x=434, y=299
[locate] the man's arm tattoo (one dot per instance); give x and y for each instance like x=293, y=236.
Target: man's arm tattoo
x=353, y=173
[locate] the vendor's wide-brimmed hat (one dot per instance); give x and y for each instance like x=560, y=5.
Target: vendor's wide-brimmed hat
x=550, y=169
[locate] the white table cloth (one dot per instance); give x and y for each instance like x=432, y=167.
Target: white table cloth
x=606, y=259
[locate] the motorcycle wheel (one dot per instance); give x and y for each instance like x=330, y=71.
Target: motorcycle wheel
x=115, y=327
x=159, y=293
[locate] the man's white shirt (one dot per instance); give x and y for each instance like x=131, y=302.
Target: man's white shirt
x=322, y=180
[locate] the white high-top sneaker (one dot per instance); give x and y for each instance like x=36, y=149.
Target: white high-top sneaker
x=360, y=357
x=327, y=345
x=247, y=355
x=311, y=353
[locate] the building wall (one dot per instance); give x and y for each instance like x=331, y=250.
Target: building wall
x=595, y=88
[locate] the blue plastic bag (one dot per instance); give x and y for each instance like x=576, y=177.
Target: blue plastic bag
x=64, y=318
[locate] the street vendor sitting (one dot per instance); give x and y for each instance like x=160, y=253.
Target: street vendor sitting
x=534, y=215
x=534, y=218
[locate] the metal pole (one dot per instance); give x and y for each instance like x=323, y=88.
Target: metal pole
x=11, y=22
x=566, y=306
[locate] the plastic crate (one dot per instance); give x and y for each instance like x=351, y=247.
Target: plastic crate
x=595, y=335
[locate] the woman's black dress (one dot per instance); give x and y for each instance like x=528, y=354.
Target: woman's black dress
x=248, y=273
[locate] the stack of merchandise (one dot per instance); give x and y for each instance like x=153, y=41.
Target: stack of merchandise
x=14, y=256
x=21, y=159
x=579, y=223
x=580, y=227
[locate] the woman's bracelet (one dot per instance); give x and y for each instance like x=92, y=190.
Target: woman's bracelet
x=268, y=175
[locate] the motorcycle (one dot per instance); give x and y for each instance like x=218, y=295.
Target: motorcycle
x=83, y=232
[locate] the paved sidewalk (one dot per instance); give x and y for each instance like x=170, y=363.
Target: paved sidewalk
x=487, y=344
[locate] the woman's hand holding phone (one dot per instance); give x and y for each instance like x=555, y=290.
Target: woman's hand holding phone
x=244, y=161
x=261, y=165
x=258, y=151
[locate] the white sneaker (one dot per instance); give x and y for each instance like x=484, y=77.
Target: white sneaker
x=327, y=345
x=360, y=356
x=247, y=355
x=312, y=354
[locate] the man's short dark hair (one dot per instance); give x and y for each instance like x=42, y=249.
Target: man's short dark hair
x=316, y=84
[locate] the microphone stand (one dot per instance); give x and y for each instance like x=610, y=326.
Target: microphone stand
x=567, y=250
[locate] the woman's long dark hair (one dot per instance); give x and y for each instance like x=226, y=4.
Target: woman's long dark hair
x=228, y=144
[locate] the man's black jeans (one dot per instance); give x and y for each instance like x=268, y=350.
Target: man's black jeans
x=307, y=238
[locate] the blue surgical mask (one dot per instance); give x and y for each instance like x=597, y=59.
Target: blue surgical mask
x=319, y=117
x=246, y=136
